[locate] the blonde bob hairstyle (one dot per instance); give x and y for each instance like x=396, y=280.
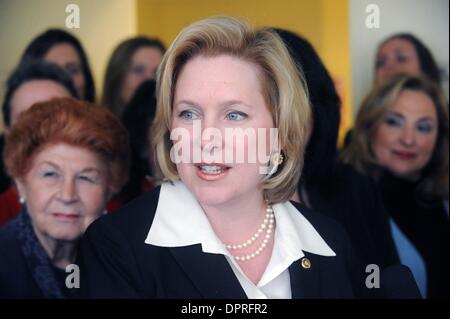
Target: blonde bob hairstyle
x=284, y=90
x=434, y=176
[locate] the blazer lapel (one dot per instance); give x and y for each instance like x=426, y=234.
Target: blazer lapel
x=305, y=282
x=210, y=273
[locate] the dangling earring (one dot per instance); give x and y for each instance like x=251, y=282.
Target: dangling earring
x=22, y=200
x=276, y=159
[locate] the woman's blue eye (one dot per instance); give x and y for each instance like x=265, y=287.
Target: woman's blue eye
x=187, y=115
x=393, y=121
x=424, y=127
x=236, y=116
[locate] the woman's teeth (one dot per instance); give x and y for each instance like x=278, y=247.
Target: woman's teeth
x=212, y=169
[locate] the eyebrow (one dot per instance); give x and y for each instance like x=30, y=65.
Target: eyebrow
x=72, y=63
x=396, y=50
x=401, y=50
x=86, y=170
x=90, y=169
x=50, y=163
x=425, y=118
x=222, y=104
x=395, y=113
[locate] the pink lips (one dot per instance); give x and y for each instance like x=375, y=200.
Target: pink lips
x=207, y=176
x=65, y=217
x=405, y=155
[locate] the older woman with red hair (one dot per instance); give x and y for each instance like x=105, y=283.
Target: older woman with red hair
x=67, y=159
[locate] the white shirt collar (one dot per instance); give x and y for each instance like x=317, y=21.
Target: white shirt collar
x=180, y=221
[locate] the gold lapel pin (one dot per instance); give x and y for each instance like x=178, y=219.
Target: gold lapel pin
x=306, y=263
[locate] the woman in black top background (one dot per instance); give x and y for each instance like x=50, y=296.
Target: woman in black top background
x=401, y=139
x=328, y=186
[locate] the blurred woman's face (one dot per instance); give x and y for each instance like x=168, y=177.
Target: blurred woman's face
x=32, y=92
x=65, y=189
x=397, y=56
x=67, y=58
x=144, y=64
x=405, y=139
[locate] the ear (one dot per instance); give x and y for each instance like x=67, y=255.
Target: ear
x=21, y=188
x=6, y=130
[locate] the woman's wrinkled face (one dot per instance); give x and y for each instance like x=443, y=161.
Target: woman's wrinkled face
x=221, y=94
x=144, y=64
x=65, y=189
x=397, y=56
x=405, y=139
x=67, y=58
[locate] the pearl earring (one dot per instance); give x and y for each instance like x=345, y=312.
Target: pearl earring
x=22, y=200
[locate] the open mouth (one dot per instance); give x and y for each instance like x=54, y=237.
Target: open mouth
x=212, y=170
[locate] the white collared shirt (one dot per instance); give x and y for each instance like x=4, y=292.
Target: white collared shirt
x=180, y=221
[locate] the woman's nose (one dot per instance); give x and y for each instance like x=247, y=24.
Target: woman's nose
x=390, y=68
x=408, y=136
x=212, y=135
x=68, y=192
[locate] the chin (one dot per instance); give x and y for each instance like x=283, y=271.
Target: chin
x=66, y=235
x=405, y=173
x=211, y=198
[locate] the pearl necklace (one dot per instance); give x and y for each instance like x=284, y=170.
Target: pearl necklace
x=267, y=226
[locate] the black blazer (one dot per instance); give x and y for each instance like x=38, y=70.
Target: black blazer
x=116, y=263
x=16, y=280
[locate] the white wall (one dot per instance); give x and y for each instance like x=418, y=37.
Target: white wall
x=103, y=24
x=427, y=19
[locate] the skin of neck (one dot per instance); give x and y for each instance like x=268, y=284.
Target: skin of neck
x=411, y=177
x=237, y=221
x=60, y=252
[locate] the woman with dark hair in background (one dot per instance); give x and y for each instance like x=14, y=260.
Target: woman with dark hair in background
x=326, y=185
x=62, y=48
x=401, y=139
x=403, y=53
x=31, y=82
x=132, y=62
x=137, y=119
